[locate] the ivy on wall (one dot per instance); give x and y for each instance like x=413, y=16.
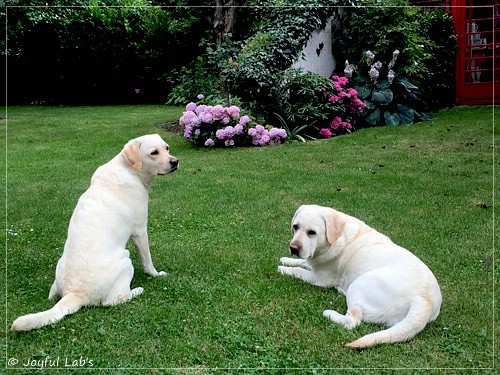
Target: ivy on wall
x=274, y=47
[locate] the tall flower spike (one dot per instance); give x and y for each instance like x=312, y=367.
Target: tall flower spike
x=390, y=76
x=374, y=73
x=394, y=58
x=349, y=69
x=369, y=57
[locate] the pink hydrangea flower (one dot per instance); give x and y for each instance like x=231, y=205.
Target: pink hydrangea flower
x=344, y=94
x=207, y=117
x=352, y=93
x=261, y=136
x=200, y=96
x=326, y=133
x=189, y=118
x=191, y=107
x=218, y=112
x=188, y=132
x=234, y=112
x=260, y=129
x=244, y=120
x=335, y=122
x=202, y=108
x=238, y=129
x=334, y=98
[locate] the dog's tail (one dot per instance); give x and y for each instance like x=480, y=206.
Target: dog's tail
x=69, y=304
x=419, y=314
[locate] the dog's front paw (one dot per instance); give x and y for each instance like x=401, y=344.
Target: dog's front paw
x=283, y=270
x=292, y=262
x=155, y=273
x=286, y=261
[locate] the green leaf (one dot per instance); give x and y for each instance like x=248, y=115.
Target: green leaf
x=406, y=115
x=382, y=97
x=391, y=119
x=407, y=84
x=373, y=118
x=369, y=105
x=363, y=91
x=384, y=84
x=425, y=117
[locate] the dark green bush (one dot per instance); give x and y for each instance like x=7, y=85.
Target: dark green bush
x=389, y=97
x=274, y=47
x=426, y=42
x=96, y=51
x=438, y=89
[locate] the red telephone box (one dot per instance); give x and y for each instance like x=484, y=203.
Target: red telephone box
x=477, y=25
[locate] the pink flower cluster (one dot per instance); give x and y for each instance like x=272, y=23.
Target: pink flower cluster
x=226, y=134
x=346, y=102
x=262, y=137
x=217, y=125
x=349, y=95
x=197, y=115
x=336, y=124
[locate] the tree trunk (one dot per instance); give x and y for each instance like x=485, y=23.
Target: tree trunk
x=218, y=21
x=224, y=20
x=230, y=20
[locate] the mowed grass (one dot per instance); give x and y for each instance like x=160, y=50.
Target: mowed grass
x=219, y=225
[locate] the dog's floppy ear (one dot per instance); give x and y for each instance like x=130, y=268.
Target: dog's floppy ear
x=132, y=154
x=334, y=225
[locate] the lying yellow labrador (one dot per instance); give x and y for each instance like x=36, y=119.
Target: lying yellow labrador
x=383, y=282
x=95, y=268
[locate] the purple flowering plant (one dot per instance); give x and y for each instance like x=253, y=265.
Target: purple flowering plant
x=390, y=99
x=219, y=126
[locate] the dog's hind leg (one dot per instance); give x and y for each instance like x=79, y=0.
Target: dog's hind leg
x=350, y=320
x=54, y=292
x=120, y=290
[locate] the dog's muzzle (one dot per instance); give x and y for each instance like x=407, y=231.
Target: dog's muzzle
x=295, y=249
x=174, y=164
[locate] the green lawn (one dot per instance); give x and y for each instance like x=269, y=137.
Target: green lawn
x=219, y=225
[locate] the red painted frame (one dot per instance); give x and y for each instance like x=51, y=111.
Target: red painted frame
x=477, y=25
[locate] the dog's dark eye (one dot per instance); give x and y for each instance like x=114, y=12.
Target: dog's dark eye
x=311, y=233
x=295, y=227
x=168, y=148
x=154, y=153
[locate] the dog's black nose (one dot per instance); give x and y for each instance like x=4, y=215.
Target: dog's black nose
x=174, y=163
x=295, y=249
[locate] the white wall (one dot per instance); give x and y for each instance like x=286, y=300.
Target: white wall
x=317, y=54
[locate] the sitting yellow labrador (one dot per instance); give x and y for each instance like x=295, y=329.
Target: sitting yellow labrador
x=95, y=268
x=383, y=282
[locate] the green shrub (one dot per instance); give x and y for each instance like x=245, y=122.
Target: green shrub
x=273, y=49
x=426, y=42
x=438, y=89
x=191, y=81
x=313, y=106
x=390, y=98
x=393, y=26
